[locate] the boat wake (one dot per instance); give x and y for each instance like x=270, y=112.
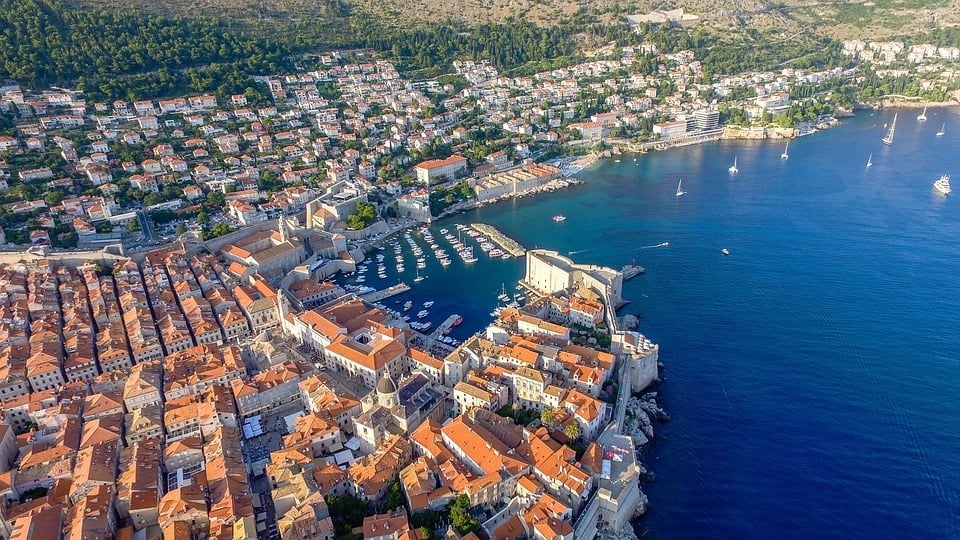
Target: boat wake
x=662, y=244
x=579, y=251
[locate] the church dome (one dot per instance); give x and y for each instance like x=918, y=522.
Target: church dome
x=386, y=385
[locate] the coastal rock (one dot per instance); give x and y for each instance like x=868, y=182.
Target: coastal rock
x=733, y=132
x=626, y=533
x=639, y=439
x=649, y=406
x=646, y=425
x=630, y=322
x=642, y=505
x=757, y=133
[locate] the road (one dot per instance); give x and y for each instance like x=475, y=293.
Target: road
x=148, y=233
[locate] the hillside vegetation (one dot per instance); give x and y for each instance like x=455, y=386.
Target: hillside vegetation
x=133, y=49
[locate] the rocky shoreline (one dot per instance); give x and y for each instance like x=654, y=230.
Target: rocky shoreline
x=642, y=413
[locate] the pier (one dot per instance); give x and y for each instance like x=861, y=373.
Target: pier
x=506, y=243
x=431, y=342
x=631, y=271
x=377, y=296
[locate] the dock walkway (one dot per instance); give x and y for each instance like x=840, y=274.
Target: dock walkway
x=377, y=296
x=506, y=243
x=631, y=271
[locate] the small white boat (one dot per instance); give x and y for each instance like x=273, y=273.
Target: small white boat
x=725, y=251
x=680, y=191
x=422, y=314
x=558, y=218
x=942, y=185
x=733, y=168
x=785, y=154
x=428, y=304
x=407, y=305
x=943, y=129
x=922, y=117
x=870, y=161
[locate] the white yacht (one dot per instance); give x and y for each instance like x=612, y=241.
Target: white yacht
x=558, y=218
x=733, y=168
x=922, y=117
x=942, y=185
x=680, y=191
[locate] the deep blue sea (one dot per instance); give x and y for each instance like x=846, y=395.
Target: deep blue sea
x=813, y=375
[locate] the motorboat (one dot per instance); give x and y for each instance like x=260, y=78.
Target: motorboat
x=942, y=185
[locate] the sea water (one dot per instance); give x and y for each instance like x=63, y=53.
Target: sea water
x=813, y=375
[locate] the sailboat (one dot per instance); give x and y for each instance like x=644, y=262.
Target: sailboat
x=419, y=277
x=870, y=161
x=503, y=293
x=680, y=191
x=943, y=129
x=733, y=168
x=888, y=139
x=785, y=155
x=922, y=116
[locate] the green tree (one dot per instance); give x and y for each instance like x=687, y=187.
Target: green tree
x=572, y=430
x=365, y=214
x=220, y=229
x=460, y=516
x=53, y=198
x=216, y=199
x=151, y=199
x=395, y=497
x=133, y=225
x=180, y=230
x=548, y=416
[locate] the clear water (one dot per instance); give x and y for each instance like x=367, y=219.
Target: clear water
x=813, y=375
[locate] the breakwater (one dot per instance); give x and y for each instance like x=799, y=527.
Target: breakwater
x=506, y=243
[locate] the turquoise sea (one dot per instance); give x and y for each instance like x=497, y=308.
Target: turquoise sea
x=813, y=375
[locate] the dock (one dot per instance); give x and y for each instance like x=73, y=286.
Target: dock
x=444, y=326
x=631, y=271
x=431, y=342
x=377, y=296
x=505, y=243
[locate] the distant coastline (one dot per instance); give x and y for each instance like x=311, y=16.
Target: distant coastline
x=896, y=101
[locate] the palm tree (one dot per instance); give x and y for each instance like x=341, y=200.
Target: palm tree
x=548, y=416
x=572, y=430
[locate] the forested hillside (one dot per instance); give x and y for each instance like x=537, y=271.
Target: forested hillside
x=44, y=42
